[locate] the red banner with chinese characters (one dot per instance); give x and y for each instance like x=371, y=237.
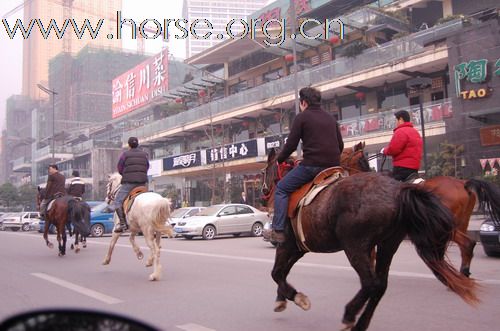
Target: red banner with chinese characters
x=140, y=85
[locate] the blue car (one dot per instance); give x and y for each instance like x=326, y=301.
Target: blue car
x=100, y=221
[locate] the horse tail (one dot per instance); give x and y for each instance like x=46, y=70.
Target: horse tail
x=429, y=226
x=488, y=195
x=161, y=214
x=77, y=211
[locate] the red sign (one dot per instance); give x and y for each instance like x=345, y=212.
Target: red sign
x=140, y=85
x=490, y=135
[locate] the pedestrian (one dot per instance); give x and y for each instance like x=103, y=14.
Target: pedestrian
x=243, y=198
x=133, y=166
x=322, y=146
x=405, y=148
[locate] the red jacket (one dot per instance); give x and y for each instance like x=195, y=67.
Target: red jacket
x=405, y=147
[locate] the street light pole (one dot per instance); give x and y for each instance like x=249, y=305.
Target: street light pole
x=53, y=93
x=419, y=84
x=293, y=18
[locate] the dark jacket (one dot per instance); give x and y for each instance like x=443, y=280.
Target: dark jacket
x=76, y=187
x=55, y=184
x=405, y=147
x=322, y=142
x=133, y=166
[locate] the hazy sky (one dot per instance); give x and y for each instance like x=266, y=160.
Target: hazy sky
x=11, y=50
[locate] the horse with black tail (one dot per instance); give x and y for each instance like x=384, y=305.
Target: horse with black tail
x=356, y=214
x=79, y=218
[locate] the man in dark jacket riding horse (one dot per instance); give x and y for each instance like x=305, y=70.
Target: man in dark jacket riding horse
x=133, y=166
x=55, y=188
x=76, y=186
x=322, y=145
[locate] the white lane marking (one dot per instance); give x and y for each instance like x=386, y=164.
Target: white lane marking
x=193, y=327
x=82, y=290
x=271, y=261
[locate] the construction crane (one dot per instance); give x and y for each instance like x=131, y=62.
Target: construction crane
x=68, y=8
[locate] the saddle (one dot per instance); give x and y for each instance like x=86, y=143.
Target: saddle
x=413, y=179
x=129, y=200
x=305, y=195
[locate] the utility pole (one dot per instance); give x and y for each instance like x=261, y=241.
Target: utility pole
x=293, y=19
x=53, y=94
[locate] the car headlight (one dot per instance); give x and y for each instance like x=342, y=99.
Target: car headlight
x=485, y=227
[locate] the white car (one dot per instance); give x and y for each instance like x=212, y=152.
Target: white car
x=182, y=213
x=216, y=220
x=25, y=221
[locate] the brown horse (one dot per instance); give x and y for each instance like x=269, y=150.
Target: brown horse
x=458, y=195
x=355, y=214
x=64, y=208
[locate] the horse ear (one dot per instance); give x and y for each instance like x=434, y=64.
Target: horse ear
x=272, y=155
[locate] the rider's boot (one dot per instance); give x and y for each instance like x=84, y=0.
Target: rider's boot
x=123, y=221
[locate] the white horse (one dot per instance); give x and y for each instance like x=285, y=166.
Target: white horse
x=149, y=214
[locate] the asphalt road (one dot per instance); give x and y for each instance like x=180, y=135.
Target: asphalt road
x=225, y=285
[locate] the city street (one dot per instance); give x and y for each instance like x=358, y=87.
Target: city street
x=225, y=285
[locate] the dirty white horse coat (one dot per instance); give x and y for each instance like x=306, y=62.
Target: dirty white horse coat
x=149, y=214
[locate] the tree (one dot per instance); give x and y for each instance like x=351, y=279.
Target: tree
x=27, y=195
x=8, y=195
x=446, y=161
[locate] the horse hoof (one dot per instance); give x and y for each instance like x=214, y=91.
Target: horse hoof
x=50, y=245
x=105, y=262
x=61, y=254
x=153, y=277
x=77, y=250
x=149, y=265
x=279, y=306
x=347, y=326
x=302, y=301
x=84, y=245
x=140, y=256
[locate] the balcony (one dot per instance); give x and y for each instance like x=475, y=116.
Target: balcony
x=84, y=173
x=60, y=152
x=390, y=52
x=366, y=125
x=21, y=164
x=87, y=146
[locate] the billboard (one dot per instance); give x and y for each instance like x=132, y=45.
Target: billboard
x=140, y=85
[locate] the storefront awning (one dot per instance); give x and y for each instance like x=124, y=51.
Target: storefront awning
x=489, y=116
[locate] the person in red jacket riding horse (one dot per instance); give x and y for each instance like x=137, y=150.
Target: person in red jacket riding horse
x=405, y=147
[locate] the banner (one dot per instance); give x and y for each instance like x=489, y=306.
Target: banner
x=182, y=161
x=232, y=152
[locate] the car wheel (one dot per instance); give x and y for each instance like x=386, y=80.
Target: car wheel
x=257, y=229
x=25, y=227
x=208, y=232
x=491, y=253
x=97, y=230
x=188, y=237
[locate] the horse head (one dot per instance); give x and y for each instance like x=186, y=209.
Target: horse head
x=39, y=197
x=354, y=159
x=272, y=173
x=114, y=183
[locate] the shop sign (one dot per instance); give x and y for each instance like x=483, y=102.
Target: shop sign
x=476, y=72
x=232, y=152
x=275, y=142
x=490, y=135
x=182, y=161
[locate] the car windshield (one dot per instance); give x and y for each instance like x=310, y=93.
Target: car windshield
x=99, y=207
x=210, y=211
x=179, y=212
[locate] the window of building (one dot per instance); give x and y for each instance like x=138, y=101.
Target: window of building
x=273, y=75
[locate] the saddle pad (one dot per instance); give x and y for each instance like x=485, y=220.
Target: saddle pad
x=51, y=203
x=418, y=181
x=305, y=201
x=129, y=200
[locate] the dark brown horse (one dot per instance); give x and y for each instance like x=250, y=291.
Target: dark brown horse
x=62, y=209
x=355, y=214
x=460, y=196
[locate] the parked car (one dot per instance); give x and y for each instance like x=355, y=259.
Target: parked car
x=489, y=235
x=222, y=219
x=101, y=221
x=25, y=221
x=266, y=233
x=184, y=212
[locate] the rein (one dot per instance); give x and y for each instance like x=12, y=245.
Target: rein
x=112, y=194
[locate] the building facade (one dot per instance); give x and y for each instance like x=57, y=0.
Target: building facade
x=37, y=50
x=218, y=13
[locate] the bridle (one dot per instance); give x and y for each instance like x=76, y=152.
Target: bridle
x=111, y=194
x=279, y=171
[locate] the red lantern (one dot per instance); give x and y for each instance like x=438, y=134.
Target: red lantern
x=360, y=95
x=202, y=93
x=178, y=100
x=289, y=57
x=334, y=39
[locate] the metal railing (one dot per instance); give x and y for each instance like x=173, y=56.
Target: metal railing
x=19, y=162
x=389, y=52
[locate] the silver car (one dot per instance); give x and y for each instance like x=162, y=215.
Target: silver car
x=216, y=220
x=182, y=213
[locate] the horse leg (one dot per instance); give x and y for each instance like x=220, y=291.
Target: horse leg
x=385, y=253
x=286, y=256
x=466, y=246
x=155, y=253
x=114, y=239
x=157, y=238
x=84, y=241
x=61, y=239
x=46, y=235
x=77, y=246
x=135, y=247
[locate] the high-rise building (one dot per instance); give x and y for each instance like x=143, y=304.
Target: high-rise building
x=37, y=51
x=219, y=13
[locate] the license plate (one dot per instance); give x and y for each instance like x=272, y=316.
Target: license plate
x=178, y=230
